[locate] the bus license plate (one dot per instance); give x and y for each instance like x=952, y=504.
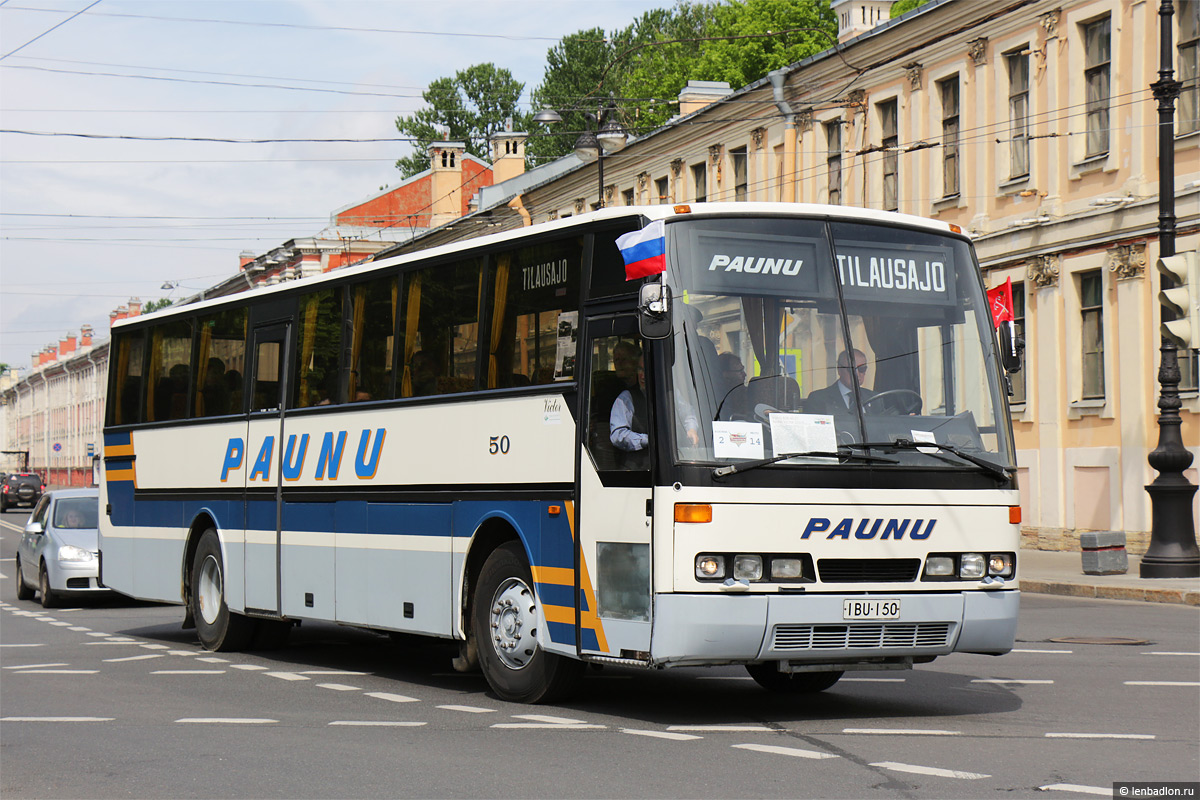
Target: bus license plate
x=870, y=609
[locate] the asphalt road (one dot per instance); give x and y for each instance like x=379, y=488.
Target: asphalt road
x=112, y=699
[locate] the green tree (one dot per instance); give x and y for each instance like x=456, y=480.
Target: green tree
x=757, y=40
x=904, y=6
x=155, y=305
x=468, y=107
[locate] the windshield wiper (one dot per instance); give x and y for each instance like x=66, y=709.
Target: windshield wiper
x=843, y=453
x=995, y=470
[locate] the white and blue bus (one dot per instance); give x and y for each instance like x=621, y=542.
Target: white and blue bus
x=790, y=450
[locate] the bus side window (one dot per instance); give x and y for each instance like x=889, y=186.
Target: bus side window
x=319, y=341
x=617, y=413
x=439, y=329
x=372, y=332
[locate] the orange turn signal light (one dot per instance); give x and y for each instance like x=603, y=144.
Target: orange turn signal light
x=554, y=510
x=1014, y=515
x=693, y=512
x=682, y=209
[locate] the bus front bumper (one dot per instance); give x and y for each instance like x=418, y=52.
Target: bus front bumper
x=722, y=629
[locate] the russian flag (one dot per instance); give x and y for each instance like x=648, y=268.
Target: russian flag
x=644, y=251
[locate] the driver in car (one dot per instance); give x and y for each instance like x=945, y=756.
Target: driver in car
x=839, y=398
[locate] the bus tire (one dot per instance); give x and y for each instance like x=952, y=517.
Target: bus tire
x=768, y=676
x=505, y=618
x=23, y=590
x=219, y=628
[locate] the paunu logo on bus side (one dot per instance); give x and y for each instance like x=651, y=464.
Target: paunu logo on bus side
x=868, y=528
x=326, y=466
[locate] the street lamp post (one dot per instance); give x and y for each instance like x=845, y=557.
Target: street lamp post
x=1172, y=552
x=604, y=136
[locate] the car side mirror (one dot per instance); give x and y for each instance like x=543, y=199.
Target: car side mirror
x=35, y=528
x=654, y=311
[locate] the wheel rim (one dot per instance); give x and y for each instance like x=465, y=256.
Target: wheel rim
x=210, y=589
x=513, y=622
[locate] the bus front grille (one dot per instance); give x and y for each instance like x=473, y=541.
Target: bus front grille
x=868, y=570
x=871, y=636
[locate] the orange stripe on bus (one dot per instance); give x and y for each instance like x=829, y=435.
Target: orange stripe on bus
x=557, y=576
x=118, y=450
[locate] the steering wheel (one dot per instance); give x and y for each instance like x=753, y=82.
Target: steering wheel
x=912, y=406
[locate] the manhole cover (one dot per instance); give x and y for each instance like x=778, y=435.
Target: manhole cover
x=1097, y=640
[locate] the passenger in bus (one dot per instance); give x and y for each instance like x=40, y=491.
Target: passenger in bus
x=424, y=374
x=216, y=391
x=733, y=398
x=839, y=397
x=628, y=422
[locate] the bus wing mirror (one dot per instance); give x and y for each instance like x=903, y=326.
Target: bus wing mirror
x=654, y=311
x=1011, y=346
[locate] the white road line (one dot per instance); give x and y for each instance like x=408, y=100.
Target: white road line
x=80, y=629
x=785, y=751
x=248, y=667
x=121, y=643
x=874, y=680
x=132, y=658
x=56, y=719
x=936, y=772
x=1162, y=683
x=680, y=737
x=329, y=672
x=1075, y=787
x=1022, y=681
x=1099, y=736
x=548, y=726
x=548, y=720
x=1169, y=653
x=44, y=618
x=214, y=660
x=187, y=653
x=340, y=687
x=1024, y=650
x=188, y=672
x=721, y=728
x=228, y=720
x=377, y=723
x=61, y=624
x=156, y=647
x=35, y=666
x=286, y=676
x=58, y=672
x=392, y=698
x=99, y=634
x=31, y=644
x=469, y=709
x=902, y=731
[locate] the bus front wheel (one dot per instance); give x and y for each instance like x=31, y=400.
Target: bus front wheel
x=505, y=619
x=768, y=676
x=219, y=628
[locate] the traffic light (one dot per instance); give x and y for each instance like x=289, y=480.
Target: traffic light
x=1179, y=297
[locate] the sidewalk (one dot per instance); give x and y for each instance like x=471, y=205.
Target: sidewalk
x=1047, y=572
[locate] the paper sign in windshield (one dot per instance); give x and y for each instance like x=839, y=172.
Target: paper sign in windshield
x=802, y=433
x=737, y=439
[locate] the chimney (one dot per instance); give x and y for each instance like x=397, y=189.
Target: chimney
x=698, y=94
x=446, y=181
x=135, y=307
x=85, y=336
x=244, y=258
x=508, y=155
x=859, y=16
x=67, y=344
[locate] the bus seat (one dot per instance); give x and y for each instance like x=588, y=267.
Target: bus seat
x=778, y=391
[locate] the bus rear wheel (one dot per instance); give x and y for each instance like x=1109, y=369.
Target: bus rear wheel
x=768, y=676
x=219, y=628
x=504, y=619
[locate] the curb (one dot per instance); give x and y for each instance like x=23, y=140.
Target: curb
x=1186, y=597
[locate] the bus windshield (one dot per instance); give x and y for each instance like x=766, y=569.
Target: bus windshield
x=822, y=336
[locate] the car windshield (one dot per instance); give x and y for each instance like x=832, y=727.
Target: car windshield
x=796, y=336
x=76, y=512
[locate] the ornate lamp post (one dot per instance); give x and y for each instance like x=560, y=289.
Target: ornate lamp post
x=604, y=136
x=1172, y=552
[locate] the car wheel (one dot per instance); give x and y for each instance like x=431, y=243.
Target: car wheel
x=49, y=598
x=219, y=628
x=23, y=590
x=768, y=676
x=505, y=619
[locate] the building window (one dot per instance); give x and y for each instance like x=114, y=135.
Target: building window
x=661, y=190
x=700, y=181
x=1091, y=309
x=891, y=159
x=740, y=181
x=833, y=160
x=948, y=89
x=1018, y=378
x=1189, y=65
x=627, y=197
x=1018, y=114
x=1097, y=43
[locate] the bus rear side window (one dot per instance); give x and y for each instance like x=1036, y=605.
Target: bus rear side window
x=125, y=393
x=170, y=377
x=319, y=342
x=220, y=363
x=440, y=329
x=372, y=335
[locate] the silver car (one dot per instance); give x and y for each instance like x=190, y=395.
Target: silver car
x=59, y=553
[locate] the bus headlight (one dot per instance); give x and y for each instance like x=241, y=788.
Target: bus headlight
x=786, y=569
x=939, y=566
x=747, y=568
x=971, y=565
x=1000, y=565
x=709, y=567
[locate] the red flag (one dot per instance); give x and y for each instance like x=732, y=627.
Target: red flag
x=1000, y=299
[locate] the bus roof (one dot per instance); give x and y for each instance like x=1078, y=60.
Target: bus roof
x=654, y=212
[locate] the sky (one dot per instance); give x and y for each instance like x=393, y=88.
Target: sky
x=87, y=223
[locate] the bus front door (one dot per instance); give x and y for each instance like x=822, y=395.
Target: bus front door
x=264, y=453
x=614, y=492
